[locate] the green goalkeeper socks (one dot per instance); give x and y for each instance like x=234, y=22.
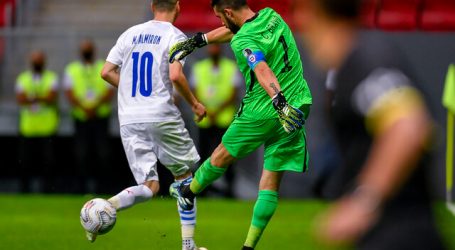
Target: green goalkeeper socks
x=205, y=176
x=263, y=211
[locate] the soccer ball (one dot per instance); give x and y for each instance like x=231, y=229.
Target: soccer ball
x=98, y=216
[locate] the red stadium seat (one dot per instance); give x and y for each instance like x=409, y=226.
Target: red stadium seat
x=396, y=15
x=195, y=21
x=7, y=9
x=2, y=13
x=369, y=13
x=281, y=6
x=438, y=15
x=197, y=15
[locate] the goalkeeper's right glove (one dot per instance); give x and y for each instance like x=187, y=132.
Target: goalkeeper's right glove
x=291, y=118
x=182, y=49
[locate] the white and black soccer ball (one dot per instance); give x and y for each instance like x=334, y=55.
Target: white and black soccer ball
x=98, y=216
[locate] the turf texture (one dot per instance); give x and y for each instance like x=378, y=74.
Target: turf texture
x=52, y=222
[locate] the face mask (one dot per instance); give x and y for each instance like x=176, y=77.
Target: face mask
x=215, y=57
x=87, y=55
x=38, y=67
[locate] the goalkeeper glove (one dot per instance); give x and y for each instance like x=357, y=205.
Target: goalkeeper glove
x=291, y=118
x=182, y=49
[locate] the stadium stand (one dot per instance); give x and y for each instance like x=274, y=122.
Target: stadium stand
x=388, y=15
x=438, y=15
x=88, y=14
x=369, y=13
x=57, y=26
x=197, y=15
x=398, y=15
x=2, y=13
x=7, y=8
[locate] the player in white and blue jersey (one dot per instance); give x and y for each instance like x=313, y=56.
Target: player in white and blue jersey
x=151, y=126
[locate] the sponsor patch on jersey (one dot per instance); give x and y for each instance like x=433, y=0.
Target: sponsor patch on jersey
x=252, y=58
x=247, y=52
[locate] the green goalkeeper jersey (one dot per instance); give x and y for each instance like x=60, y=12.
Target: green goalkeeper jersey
x=266, y=37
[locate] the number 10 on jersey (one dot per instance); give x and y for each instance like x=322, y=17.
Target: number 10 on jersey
x=142, y=72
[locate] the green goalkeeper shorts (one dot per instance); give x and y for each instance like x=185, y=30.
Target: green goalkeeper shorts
x=282, y=151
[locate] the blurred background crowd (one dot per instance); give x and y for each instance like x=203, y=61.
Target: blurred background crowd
x=66, y=140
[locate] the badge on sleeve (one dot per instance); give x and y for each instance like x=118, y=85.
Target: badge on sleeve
x=253, y=58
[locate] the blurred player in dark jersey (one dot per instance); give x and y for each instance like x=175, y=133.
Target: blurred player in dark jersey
x=383, y=129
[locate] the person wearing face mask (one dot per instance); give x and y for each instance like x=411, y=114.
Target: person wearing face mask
x=36, y=94
x=90, y=97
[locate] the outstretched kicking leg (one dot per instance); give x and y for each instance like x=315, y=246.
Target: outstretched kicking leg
x=129, y=197
x=135, y=194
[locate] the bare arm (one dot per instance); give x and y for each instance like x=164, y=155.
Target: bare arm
x=50, y=98
x=394, y=154
x=106, y=98
x=401, y=127
x=267, y=79
x=219, y=35
x=180, y=82
x=72, y=98
x=22, y=99
x=402, y=130
x=110, y=74
x=229, y=102
x=291, y=118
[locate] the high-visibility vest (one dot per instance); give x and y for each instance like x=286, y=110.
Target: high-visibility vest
x=214, y=89
x=88, y=87
x=39, y=119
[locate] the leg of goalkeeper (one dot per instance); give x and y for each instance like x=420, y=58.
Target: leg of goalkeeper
x=212, y=169
x=265, y=206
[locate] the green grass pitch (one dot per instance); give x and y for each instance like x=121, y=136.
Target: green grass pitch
x=52, y=222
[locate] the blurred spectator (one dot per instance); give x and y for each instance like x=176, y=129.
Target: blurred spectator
x=90, y=97
x=383, y=129
x=216, y=82
x=36, y=93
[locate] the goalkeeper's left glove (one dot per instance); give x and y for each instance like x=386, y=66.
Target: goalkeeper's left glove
x=182, y=49
x=291, y=118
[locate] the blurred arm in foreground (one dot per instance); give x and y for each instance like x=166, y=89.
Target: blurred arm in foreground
x=403, y=128
x=382, y=126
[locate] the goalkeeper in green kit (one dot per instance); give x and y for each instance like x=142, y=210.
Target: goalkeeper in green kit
x=272, y=113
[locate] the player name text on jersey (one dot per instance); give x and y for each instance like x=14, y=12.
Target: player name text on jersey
x=146, y=38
